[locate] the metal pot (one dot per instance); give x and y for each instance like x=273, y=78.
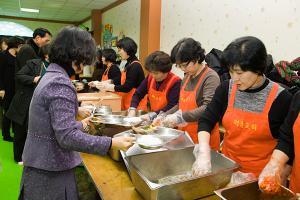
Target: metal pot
x=103, y=110
x=250, y=190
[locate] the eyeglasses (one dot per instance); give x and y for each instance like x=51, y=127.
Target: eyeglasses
x=183, y=65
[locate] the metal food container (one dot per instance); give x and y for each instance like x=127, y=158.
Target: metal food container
x=167, y=174
x=174, y=139
x=109, y=125
x=125, y=113
x=250, y=191
x=103, y=110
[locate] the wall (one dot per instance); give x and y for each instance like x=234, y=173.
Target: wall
x=52, y=27
x=125, y=17
x=216, y=23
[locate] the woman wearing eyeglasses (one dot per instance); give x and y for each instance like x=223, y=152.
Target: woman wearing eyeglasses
x=250, y=106
x=197, y=89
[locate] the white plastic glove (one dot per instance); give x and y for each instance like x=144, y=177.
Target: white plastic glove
x=131, y=112
x=104, y=86
x=269, y=179
x=240, y=177
x=107, y=81
x=202, y=165
x=149, y=116
x=93, y=83
x=174, y=120
x=108, y=87
x=159, y=118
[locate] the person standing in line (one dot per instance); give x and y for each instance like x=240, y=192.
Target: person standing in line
x=41, y=37
x=26, y=79
x=7, y=73
x=55, y=137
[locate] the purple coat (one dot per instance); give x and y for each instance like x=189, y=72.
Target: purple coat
x=54, y=136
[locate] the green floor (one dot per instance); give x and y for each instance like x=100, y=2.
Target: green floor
x=10, y=172
x=10, y=176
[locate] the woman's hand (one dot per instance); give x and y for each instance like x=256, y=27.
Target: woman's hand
x=131, y=113
x=122, y=142
x=93, y=83
x=202, y=165
x=84, y=112
x=269, y=179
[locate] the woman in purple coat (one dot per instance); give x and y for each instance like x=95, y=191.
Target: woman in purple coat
x=54, y=136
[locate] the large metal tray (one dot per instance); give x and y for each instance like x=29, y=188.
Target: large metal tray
x=251, y=191
x=174, y=139
x=147, y=170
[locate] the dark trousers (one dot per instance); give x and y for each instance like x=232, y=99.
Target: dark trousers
x=19, y=140
x=6, y=124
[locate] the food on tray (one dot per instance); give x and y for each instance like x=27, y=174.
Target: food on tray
x=176, y=178
x=95, y=120
x=133, y=120
x=270, y=185
x=149, y=141
x=144, y=129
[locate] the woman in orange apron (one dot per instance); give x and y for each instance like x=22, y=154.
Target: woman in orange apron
x=197, y=89
x=131, y=76
x=250, y=106
x=161, y=86
x=288, y=148
x=112, y=71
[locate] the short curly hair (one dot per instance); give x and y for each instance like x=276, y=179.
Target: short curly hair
x=247, y=52
x=128, y=45
x=158, y=61
x=72, y=44
x=187, y=50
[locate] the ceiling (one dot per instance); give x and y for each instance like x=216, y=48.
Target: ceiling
x=61, y=10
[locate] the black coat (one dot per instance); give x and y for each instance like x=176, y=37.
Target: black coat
x=19, y=106
x=7, y=73
x=27, y=52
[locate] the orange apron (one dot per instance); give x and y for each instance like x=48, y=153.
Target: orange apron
x=105, y=74
x=127, y=96
x=248, y=139
x=295, y=176
x=158, y=98
x=187, y=101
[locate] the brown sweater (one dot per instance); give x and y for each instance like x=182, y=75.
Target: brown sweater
x=205, y=93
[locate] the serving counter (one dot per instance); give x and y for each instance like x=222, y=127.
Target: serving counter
x=111, y=178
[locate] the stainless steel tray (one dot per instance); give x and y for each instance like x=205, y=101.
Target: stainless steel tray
x=173, y=139
x=123, y=113
x=147, y=171
x=113, y=119
x=251, y=191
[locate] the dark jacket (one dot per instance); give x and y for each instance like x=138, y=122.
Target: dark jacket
x=19, y=106
x=213, y=60
x=7, y=83
x=27, y=52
